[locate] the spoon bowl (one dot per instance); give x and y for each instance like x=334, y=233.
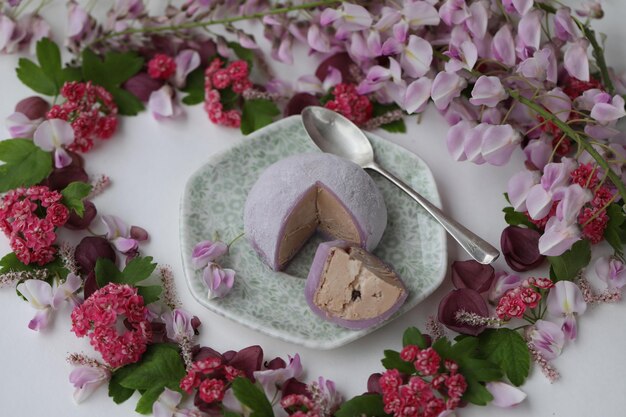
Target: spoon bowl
x=335, y=134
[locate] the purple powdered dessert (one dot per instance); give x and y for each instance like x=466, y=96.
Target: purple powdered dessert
x=302, y=194
x=351, y=287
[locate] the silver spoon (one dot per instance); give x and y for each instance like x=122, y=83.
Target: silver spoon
x=335, y=134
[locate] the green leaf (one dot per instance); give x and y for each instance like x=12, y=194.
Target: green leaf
x=252, y=397
x=370, y=405
x=150, y=293
x=392, y=361
x=507, y=349
x=138, y=269
x=25, y=164
x=566, y=266
x=256, y=114
x=515, y=218
x=106, y=272
x=10, y=263
x=226, y=413
x=465, y=347
x=243, y=53
x=147, y=400
x=74, y=194
x=31, y=75
x=49, y=57
x=161, y=366
x=127, y=103
x=412, y=336
x=614, y=233
x=194, y=87
x=118, y=393
x=480, y=369
x=396, y=126
x=476, y=393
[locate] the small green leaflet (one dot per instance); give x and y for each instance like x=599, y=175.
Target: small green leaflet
x=566, y=266
x=515, y=218
x=507, y=348
x=252, y=397
x=243, y=53
x=369, y=405
x=118, y=393
x=392, y=360
x=74, y=194
x=194, y=87
x=256, y=114
x=49, y=76
x=161, y=366
x=25, y=164
x=396, y=126
x=615, y=232
x=149, y=293
x=136, y=271
x=111, y=72
x=412, y=336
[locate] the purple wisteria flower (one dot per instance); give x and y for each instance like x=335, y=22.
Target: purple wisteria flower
x=502, y=283
x=575, y=59
x=178, y=324
x=547, y=338
x=505, y=395
x=125, y=239
x=163, y=105
x=53, y=135
x=518, y=187
x=347, y=18
x=272, y=379
x=20, y=126
x=167, y=403
x=187, y=60
x=446, y=86
x=564, y=301
x=206, y=252
x=218, y=280
x=611, y=271
x=488, y=91
x=86, y=379
x=553, y=182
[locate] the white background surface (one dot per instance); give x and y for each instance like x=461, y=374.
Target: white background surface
x=149, y=163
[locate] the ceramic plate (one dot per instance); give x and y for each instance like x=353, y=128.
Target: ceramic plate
x=273, y=302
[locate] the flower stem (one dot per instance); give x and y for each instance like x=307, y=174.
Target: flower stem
x=242, y=234
x=572, y=134
x=206, y=23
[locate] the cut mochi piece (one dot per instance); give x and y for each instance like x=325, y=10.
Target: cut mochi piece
x=305, y=193
x=351, y=287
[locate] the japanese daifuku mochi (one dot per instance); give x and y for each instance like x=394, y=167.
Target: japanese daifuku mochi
x=351, y=287
x=307, y=192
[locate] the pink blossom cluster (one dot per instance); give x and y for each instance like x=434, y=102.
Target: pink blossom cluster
x=419, y=397
x=515, y=301
x=210, y=377
x=28, y=217
x=90, y=110
x=98, y=316
x=347, y=101
x=300, y=405
x=234, y=77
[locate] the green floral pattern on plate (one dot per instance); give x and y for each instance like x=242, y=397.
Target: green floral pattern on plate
x=273, y=302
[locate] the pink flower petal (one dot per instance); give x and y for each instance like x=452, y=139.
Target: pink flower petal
x=558, y=237
x=167, y=403
x=21, y=126
x=86, y=379
x=38, y=293
x=518, y=187
x=115, y=226
x=529, y=29
x=186, y=61
x=488, y=91
x=499, y=142
x=161, y=103
x=576, y=61
x=548, y=339
x=317, y=39
x=566, y=298
x=505, y=395
x=446, y=87
x=61, y=158
x=41, y=320
x=503, y=46
x=53, y=133
x=455, y=139
x=417, y=57
x=417, y=95
x=125, y=245
x=611, y=271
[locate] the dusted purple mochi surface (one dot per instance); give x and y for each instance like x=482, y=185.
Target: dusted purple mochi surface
x=282, y=185
x=313, y=283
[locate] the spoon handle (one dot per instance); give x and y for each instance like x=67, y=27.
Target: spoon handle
x=478, y=248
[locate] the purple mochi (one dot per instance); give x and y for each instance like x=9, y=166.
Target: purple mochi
x=314, y=283
x=307, y=192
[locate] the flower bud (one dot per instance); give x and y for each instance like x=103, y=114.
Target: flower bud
x=90, y=249
x=142, y=85
x=473, y=275
x=463, y=299
x=520, y=247
x=33, y=107
x=298, y=102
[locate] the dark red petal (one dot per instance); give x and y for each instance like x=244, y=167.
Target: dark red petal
x=373, y=385
x=206, y=352
x=293, y=386
x=75, y=222
x=462, y=299
x=33, y=107
x=248, y=360
x=298, y=102
x=520, y=247
x=142, y=85
x=90, y=249
x=276, y=363
x=91, y=285
x=341, y=62
x=473, y=275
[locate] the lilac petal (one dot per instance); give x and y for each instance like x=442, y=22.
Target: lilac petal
x=420, y=13
x=505, y=395
x=455, y=139
x=52, y=134
x=454, y=12
x=61, y=158
x=329, y=15
x=125, y=245
x=86, y=379
x=317, y=39
x=529, y=29
x=569, y=327
x=186, y=61
x=269, y=379
x=538, y=202
x=558, y=103
x=392, y=46
x=566, y=299
x=605, y=112
x=564, y=26
x=488, y=91
x=518, y=187
x=38, y=293
x=167, y=403
x=21, y=126
x=462, y=299
x=446, y=87
x=246, y=40
x=219, y=281
x=332, y=78
x=538, y=153
x=41, y=320
x=7, y=29
x=547, y=338
x=178, y=325
x=231, y=403
x=374, y=44
x=115, y=227
x=477, y=22
x=309, y=84
x=78, y=21
x=520, y=247
x=502, y=283
x=458, y=110
x=473, y=275
x=284, y=53
x=400, y=31
x=64, y=291
x=388, y=17
x=417, y=95
x=161, y=103
x=611, y=271
x=358, y=47
x=574, y=198
x=499, y=142
x=556, y=175
x=417, y=57
x=576, y=61
x=558, y=237
x=355, y=17
x=474, y=142
x=503, y=46
x=207, y=251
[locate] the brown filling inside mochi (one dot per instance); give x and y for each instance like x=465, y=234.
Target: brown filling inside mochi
x=318, y=209
x=356, y=285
